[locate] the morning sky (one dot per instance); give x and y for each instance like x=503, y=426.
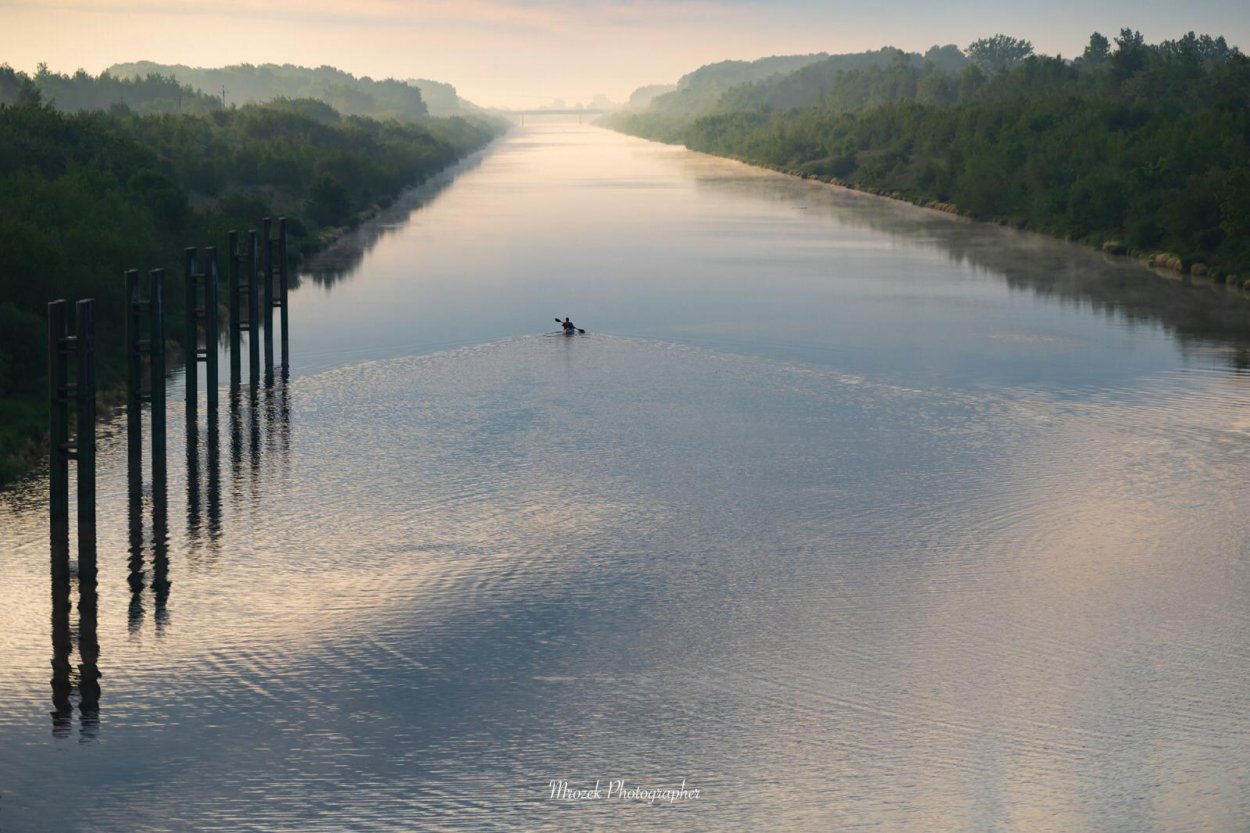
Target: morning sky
x=526, y=53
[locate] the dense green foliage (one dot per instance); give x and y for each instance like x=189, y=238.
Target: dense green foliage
x=17, y=87
x=86, y=195
x=699, y=91
x=1148, y=146
x=999, y=53
x=843, y=82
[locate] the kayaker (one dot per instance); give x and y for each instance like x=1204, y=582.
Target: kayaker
x=569, y=326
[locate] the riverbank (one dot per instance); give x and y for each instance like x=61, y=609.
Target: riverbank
x=119, y=203
x=1161, y=261
x=1181, y=265
x=1143, y=150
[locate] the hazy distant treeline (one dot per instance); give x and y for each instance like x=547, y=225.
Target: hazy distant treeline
x=249, y=84
x=699, y=91
x=1147, y=145
x=152, y=93
x=785, y=82
x=147, y=87
x=87, y=194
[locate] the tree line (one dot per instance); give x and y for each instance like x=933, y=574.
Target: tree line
x=1134, y=146
x=86, y=194
x=350, y=95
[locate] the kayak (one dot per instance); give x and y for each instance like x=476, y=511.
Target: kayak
x=568, y=331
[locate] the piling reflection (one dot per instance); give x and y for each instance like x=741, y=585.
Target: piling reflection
x=253, y=444
x=236, y=445
x=244, y=445
x=278, y=420
x=160, y=558
x=136, y=575
x=214, y=480
x=67, y=684
x=138, y=578
x=62, y=642
x=194, y=520
x=88, y=652
x=204, y=518
x=257, y=429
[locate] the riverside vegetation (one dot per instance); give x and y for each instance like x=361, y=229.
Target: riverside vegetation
x=101, y=174
x=351, y=96
x=1134, y=147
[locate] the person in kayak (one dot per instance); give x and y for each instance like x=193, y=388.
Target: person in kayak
x=569, y=326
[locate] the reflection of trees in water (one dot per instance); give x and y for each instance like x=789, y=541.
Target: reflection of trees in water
x=342, y=258
x=1199, y=315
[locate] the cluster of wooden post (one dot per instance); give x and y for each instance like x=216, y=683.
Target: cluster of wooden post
x=77, y=350
x=71, y=344
x=72, y=390
x=146, y=342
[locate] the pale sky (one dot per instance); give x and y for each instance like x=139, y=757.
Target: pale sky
x=525, y=53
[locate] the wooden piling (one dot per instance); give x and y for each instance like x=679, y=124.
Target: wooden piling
x=253, y=309
x=190, y=335
x=283, y=289
x=211, y=277
x=86, y=445
x=242, y=289
x=234, y=267
x=267, y=284
x=156, y=365
x=58, y=422
x=201, y=324
x=134, y=383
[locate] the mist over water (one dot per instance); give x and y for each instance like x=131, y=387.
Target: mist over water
x=849, y=515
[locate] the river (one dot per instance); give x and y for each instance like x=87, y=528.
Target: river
x=843, y=515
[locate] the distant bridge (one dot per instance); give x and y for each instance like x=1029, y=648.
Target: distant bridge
x=568, y=111
x=553, y=111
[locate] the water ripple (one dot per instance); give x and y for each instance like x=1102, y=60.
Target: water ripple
x=826, y=600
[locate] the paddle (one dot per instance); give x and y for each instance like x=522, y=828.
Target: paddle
x=579, y=329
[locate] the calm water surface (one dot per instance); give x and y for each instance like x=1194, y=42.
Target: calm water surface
x=848, y=514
